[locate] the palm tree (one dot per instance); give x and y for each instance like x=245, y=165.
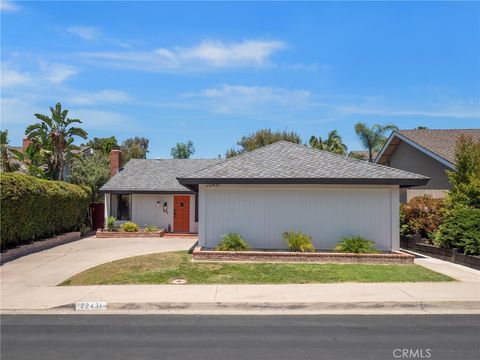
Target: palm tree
x=333, y=143
x=56, y=135
x=373, y=138
x=6, y=163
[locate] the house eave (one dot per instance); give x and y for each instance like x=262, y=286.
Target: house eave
x=330, y=181
x=134, y=191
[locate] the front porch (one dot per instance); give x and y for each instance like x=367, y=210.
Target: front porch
x=174, y=212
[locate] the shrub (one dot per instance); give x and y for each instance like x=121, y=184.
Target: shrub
x=298, y=241
x=460, y=229
x=150, y=228
x=232, y=242
x=110, y=223
x=356, y=244
x=129, y=227
x=422, y=215
x=33, y=209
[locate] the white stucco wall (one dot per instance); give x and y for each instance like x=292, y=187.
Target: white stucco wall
x=146, y=211
x=262, y=213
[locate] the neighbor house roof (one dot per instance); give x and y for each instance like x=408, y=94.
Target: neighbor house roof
x=287, y=163
x=154, y=175
x=361, y=154
x=437, y=143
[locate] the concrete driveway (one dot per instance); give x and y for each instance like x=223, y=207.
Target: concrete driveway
x=23, y=280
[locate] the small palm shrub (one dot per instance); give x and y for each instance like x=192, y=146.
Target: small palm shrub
x=111, y=223
x=356, y=244
x=298, y=241
x=129, y=227
x=232, y=242
x=150, y=228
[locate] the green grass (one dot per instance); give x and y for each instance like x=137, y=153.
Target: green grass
x=164, y=267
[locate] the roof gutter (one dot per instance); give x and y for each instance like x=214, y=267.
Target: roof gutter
x=331, y=181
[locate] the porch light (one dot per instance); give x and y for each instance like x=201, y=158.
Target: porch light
x=165, y=208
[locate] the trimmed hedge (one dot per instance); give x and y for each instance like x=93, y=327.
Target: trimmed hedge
x=32, y=209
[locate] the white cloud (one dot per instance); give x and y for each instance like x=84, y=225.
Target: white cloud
x=241, y=99
x=88, y=33
x=58, y=73
x=10, y=77
x=207, y=55
x=96, y=97
x=8, y=6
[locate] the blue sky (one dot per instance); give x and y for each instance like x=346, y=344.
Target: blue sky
x=212, y=72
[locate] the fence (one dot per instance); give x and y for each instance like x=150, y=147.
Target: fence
x=417, y=244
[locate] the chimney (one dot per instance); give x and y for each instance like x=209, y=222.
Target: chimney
x=26, y=143
x=115, y=161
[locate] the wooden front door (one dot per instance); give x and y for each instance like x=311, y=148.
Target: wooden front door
x=181, y=214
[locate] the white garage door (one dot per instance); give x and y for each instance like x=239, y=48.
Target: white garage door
x=262, y=213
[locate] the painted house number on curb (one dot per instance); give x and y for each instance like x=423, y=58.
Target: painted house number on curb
x=90, y=305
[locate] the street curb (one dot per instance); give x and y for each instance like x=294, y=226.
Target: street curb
x=279, y=306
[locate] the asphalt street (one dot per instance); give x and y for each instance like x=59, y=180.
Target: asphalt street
x=66, y=337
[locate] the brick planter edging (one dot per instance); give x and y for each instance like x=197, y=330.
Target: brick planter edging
x=395, y=257
x=126, y=234
x=39, y=245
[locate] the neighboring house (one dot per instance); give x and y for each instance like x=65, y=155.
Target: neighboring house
x=361, y=154
x=146, y=191
x=289, y=187
x=427, y=151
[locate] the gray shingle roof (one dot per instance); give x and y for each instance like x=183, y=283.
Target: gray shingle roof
x=151, y=175
x=285, y=162
x=440, y=141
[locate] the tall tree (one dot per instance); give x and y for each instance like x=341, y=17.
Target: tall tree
x=373, y=138
x=104, y=145
x=134, y=148
x=183, y=150
x=7, y=163
x=333, y=143
x=261, y=138
x=93, y=171
x=55, y=134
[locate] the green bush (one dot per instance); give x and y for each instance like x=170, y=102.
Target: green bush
x=356, y=244
x=110, y=223
x=129, y=227
x=32, y=209
x=460, y=229
x=298, y=241
x=150, y=228
x=232, y=242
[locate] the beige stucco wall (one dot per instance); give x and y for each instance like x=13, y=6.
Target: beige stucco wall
x=408, y=158
x=262, y=213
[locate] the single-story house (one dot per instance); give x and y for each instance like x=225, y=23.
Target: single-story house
x=263, y=193
x=426, y=151
x=147, y=192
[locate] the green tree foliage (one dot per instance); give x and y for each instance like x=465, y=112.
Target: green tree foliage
x=92, y=171
x=134, y=148
x=56, y=136
x=333, y=143
x=372, y=138
x=466, y=180
x=461, y=224
x=104, y=145
x=261, y=138
x=183, y=150
x=461, y=229
x=33, y=209
x=7, y=162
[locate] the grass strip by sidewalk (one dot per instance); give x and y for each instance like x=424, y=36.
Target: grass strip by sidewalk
x=162, y=268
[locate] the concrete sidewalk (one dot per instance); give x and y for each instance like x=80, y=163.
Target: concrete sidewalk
x=29, y=293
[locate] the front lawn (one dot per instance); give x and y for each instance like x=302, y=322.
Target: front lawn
x=164, y=267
